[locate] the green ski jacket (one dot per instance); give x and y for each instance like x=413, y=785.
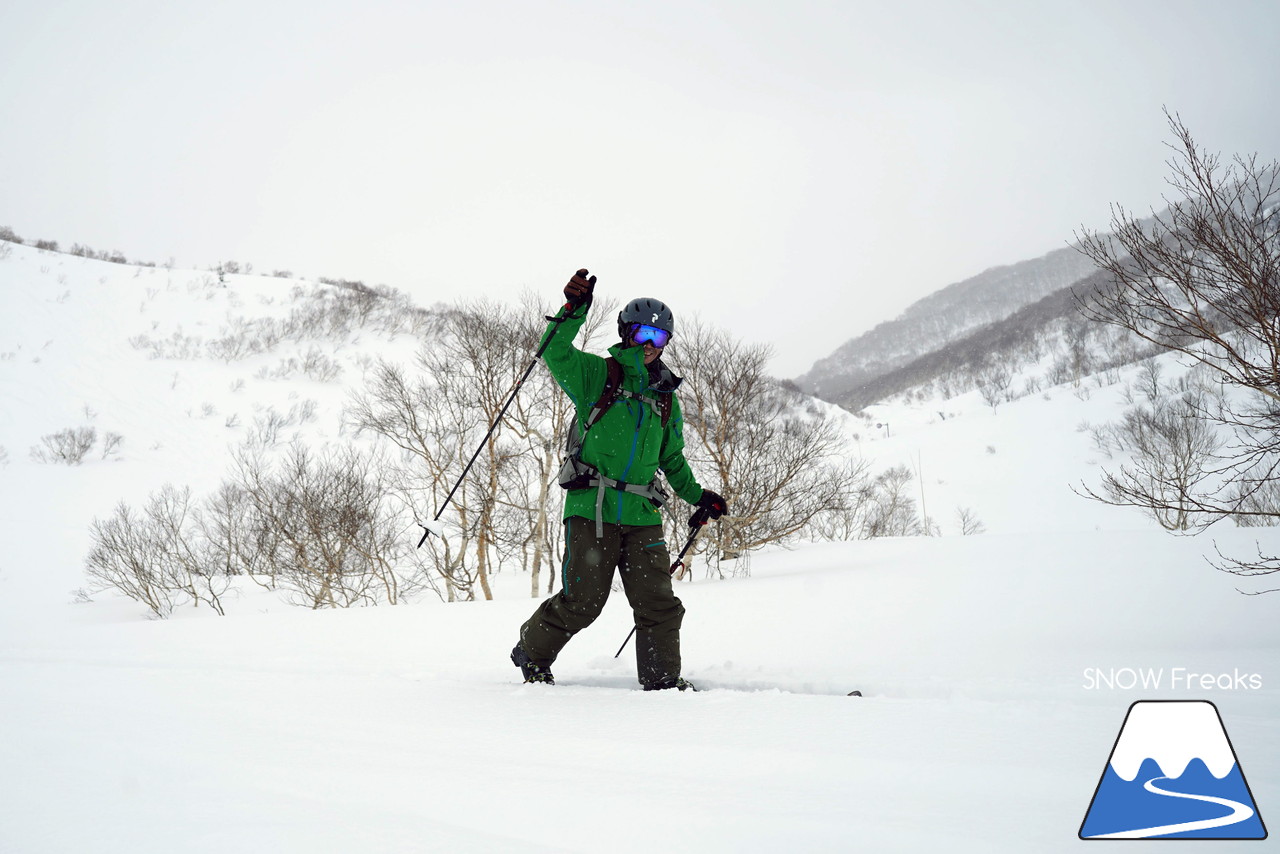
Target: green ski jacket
x=628, y=443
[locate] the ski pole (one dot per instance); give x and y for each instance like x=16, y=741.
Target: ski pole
x=697, y=521
x=426, y=531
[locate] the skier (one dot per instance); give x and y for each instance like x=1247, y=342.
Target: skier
x=611, y=512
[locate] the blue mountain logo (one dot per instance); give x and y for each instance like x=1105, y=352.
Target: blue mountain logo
x=1173, y=774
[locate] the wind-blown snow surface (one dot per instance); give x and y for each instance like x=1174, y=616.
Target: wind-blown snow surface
x=406, y=729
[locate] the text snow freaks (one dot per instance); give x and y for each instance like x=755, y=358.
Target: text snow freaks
x=1168, y=679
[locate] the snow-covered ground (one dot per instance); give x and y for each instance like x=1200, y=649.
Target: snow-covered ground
x=985, y=726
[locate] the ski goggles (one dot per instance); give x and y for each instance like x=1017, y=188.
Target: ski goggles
x=641, y=333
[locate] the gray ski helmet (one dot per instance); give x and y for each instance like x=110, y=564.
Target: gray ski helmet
x=646, y=310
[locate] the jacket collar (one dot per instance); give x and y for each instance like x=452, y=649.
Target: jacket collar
x=661, y=378
x=657, y=376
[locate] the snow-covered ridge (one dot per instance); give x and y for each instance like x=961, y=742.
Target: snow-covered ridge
x=179, y=362
x=945, y=316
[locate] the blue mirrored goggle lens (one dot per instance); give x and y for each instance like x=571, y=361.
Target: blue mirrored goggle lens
x=641, y=333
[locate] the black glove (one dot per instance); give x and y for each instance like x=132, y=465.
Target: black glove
x=713, y=504
x=579, y=289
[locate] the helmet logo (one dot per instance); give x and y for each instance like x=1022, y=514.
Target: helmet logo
x=655, y=318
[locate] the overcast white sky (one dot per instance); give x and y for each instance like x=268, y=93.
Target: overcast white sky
x=794, y=171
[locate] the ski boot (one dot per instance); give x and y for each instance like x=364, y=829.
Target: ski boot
x=532, y=671
x=678, y=683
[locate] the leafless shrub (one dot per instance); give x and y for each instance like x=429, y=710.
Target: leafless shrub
x=177, y=346
x=1061, y=371
x=236, y=541
x=267, y=429
x=68, y=446
x=280, y=371
x=994, y=385
x=314, y=364
x=891, y=512
x=1104, y=439
x=1174, y=454
x=1149, y=373
x=125, y=557
x=317, y=525
x=320, y=367
x=969, y=522
x=303, y=413
x=111, y=443
x=178, y=531
x=245, y=337
x=156, y=557
x=333, y=538
x=232, y=346
x=318, y=314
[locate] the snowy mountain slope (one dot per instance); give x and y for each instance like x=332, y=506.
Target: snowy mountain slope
x=945, y=316
x=405, y=728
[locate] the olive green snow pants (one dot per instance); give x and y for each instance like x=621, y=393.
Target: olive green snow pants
x=640, y=554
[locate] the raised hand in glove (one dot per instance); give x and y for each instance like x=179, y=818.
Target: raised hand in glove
x=578, y=291
x=712, y=504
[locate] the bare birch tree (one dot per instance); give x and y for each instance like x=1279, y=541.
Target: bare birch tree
x=429, y=426
x=779, y=461
x=1203, y=279
x=507, y=505
x=1174, y=453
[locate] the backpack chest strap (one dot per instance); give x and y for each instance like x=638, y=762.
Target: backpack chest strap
x=654, y=406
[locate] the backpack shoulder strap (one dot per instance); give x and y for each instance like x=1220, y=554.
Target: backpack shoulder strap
x=613, y=380
x=608, y=394
x=613, y=390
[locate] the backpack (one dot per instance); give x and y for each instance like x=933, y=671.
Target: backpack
x=575, y=474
